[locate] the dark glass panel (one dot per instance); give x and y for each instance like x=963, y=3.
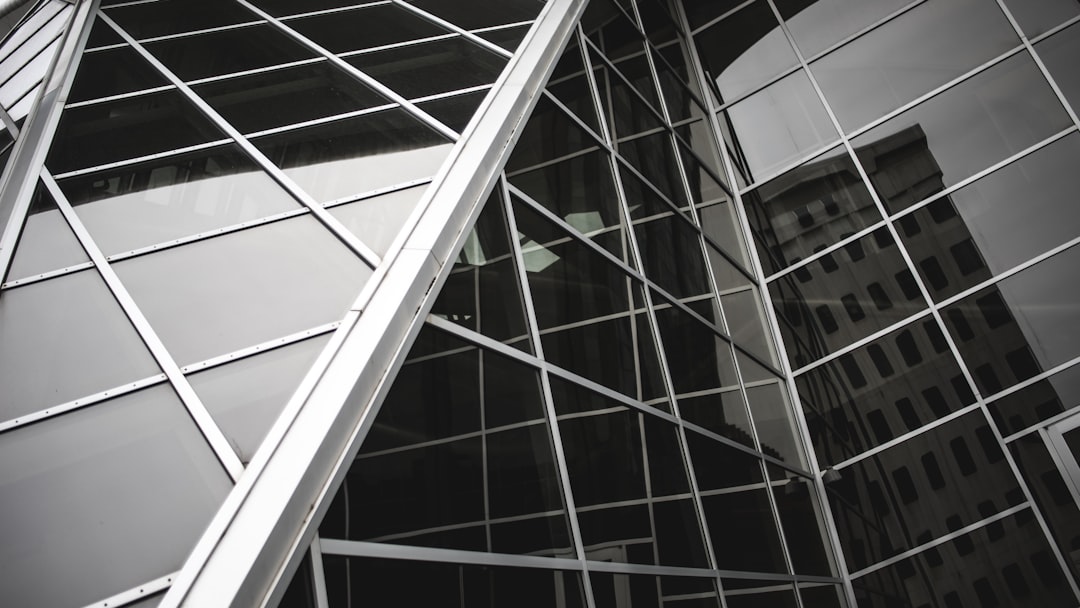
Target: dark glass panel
x=455, y=111
x=1037, y=402
x=679, y=95
x=743, y=529
x=642, y=198
x=377, y=220
x=962, y=131
x=698, y=359
x=245, y=397
x=882, y=503
x=980, y=231
x=483, y=291
x=746, y=321
x=383, y=583
x=508, y=38
x=580, y=190
x=1051, y=494
x=1038, y=16
x=301, y=590
x=910, y=55
x=82, y=498
x=1059, y=54
x=636, y=75
x=178, y=196
x=822, y=596
x=475, y=14
x=700, y=12
x=1025, y=324
x=722, y=413
x=704, y=187
x=46, y=241
x=431, y=67
x=611, y=30
x=569, y=84
x=720, y=223
x=759, y=594
x=654, y=158
x=281, y=8
x=718, y=466
x=364, y=28
x=549, y=134
x=811, y=206
x=925, y=390
x=65, y=338
x=134, y=127
x=772, y=414
x=670, y=250
x=287, y=96
x=644, y=591
x=804, y=528
x=228, y=51
x=806, y=333
x=102, y=35
x=818, y=24
x=626, y=112
x=776, y=126
x=228, y=293
x=150, y=19
x=356, y=155
x=744, y=50
x=112, y=72
x=1014, y=569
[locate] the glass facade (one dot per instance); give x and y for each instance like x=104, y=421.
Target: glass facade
x=765, y=303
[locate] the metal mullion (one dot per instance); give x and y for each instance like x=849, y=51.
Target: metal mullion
x=321, y=121
x=9, y=124
x=357, y=548
x=353, y=198
x=495, y=28
x=331, y=223
x=130, y=596
x=339, y=9
x=756, y=181
x=119, y=96
x=718, y=438
x=454, y=93
x=835, y=548
x=861, y=342
x=471, y=37
x=213, y=434
x=70, y=406
x=727, y=104
x=263, y=70
x=397, y=45
x=1064, y=25
x=318, y=574
x=193, y=33
x=446, y=440
x=379, y=87
x=876, y=24
x=44, y=276
x=477, y=523
x=258, y=349
x=549, y=400
x=142, y=159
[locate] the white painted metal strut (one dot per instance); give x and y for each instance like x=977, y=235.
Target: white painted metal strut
x=268, y=520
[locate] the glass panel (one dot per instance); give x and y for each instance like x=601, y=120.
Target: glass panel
x=884, y=503
x=742, y=525
x=351, y=581
x=609, y=28
x=1038, y=16
x=804, y=528
x=822, y=596
x=1021, y=326
x=377, y=221
x=244, y=288
x=962, y=131
x=1051, y=495
x=301, y=591
x=833, y=303
x=46, y=242
x=773, y=419
x=851, y=406
x=817, y=25
x=508, y=38
x=112, y=72
x=101, y=34
x=746, y=321
x=807, y=208
x=979, y=231
x=777, y=125
x=365, y=28
x=759, y=594
x=1058, y=54
x=644, y=591
x=281, y=8
x=431, y=67
x=148, y=20
x=246, y=397
x=654, y=158
x=357, y=155
x=83, y=497
x=134, y=127
x=623, y=107
x=475, y=14
x=910, y=55
x=670, y=250
x=455, y=111
x=287, y=96
x=483, y=292
x=700, y=12
x=744, y=50
x=549, y=134
x=226, y=52
x=65, y=338
x=569, y=84
x=162, y=200
x=698, y=359
x=1040, y=401
x=1006, y=563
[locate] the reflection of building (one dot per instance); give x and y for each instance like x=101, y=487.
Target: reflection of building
x=428, y=303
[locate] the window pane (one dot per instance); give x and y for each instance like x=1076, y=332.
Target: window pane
x=227, y=51
x=431, y=67
x=151, y=19
x=474, y=14
x=1058, y=54
x=46, y=242
x=365, y=28
x=1038, y=16
x=1037, y=402
x=818, y=24
x=377, y=221
x=112, y=72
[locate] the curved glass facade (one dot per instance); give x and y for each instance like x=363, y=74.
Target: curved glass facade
x=766, y=303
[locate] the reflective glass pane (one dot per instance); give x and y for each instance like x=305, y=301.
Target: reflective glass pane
x=46, y=242
x=219, y=295
x=474, y=14
x=627, y=113
x=1038, y=16
x=888, y=503
x=851, y=405
x=759, y=594
x=549, y=134
x=508, y=38
x=773, y=418
x=83, y=497
x=698, y=359
x=357, y=155
x=365, y=28
x=1040, y=401
x=777, y=125
x=742, y=524
x=431, y=67
x=134, y=127
x=1021, y=326
x=611, y=30
x=1051, y=494
x=910, y=55
x=671, y=253
x=746, y=321
x=178, y=196
x=112, y=72
x=654, y=157
x=281, y=8
x=980, y=231
x=962, y=131
x=65, y=338
x=811, y=206
x=378, y=220
x=641, y=590
x=455, y=111
x=744, y=50
x=1058, y=53
x=227, y=51
x=246, y=397
x=151, y=19
x=287, y=96
x=818, y=24
x=804, y=528
x=569, y=84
